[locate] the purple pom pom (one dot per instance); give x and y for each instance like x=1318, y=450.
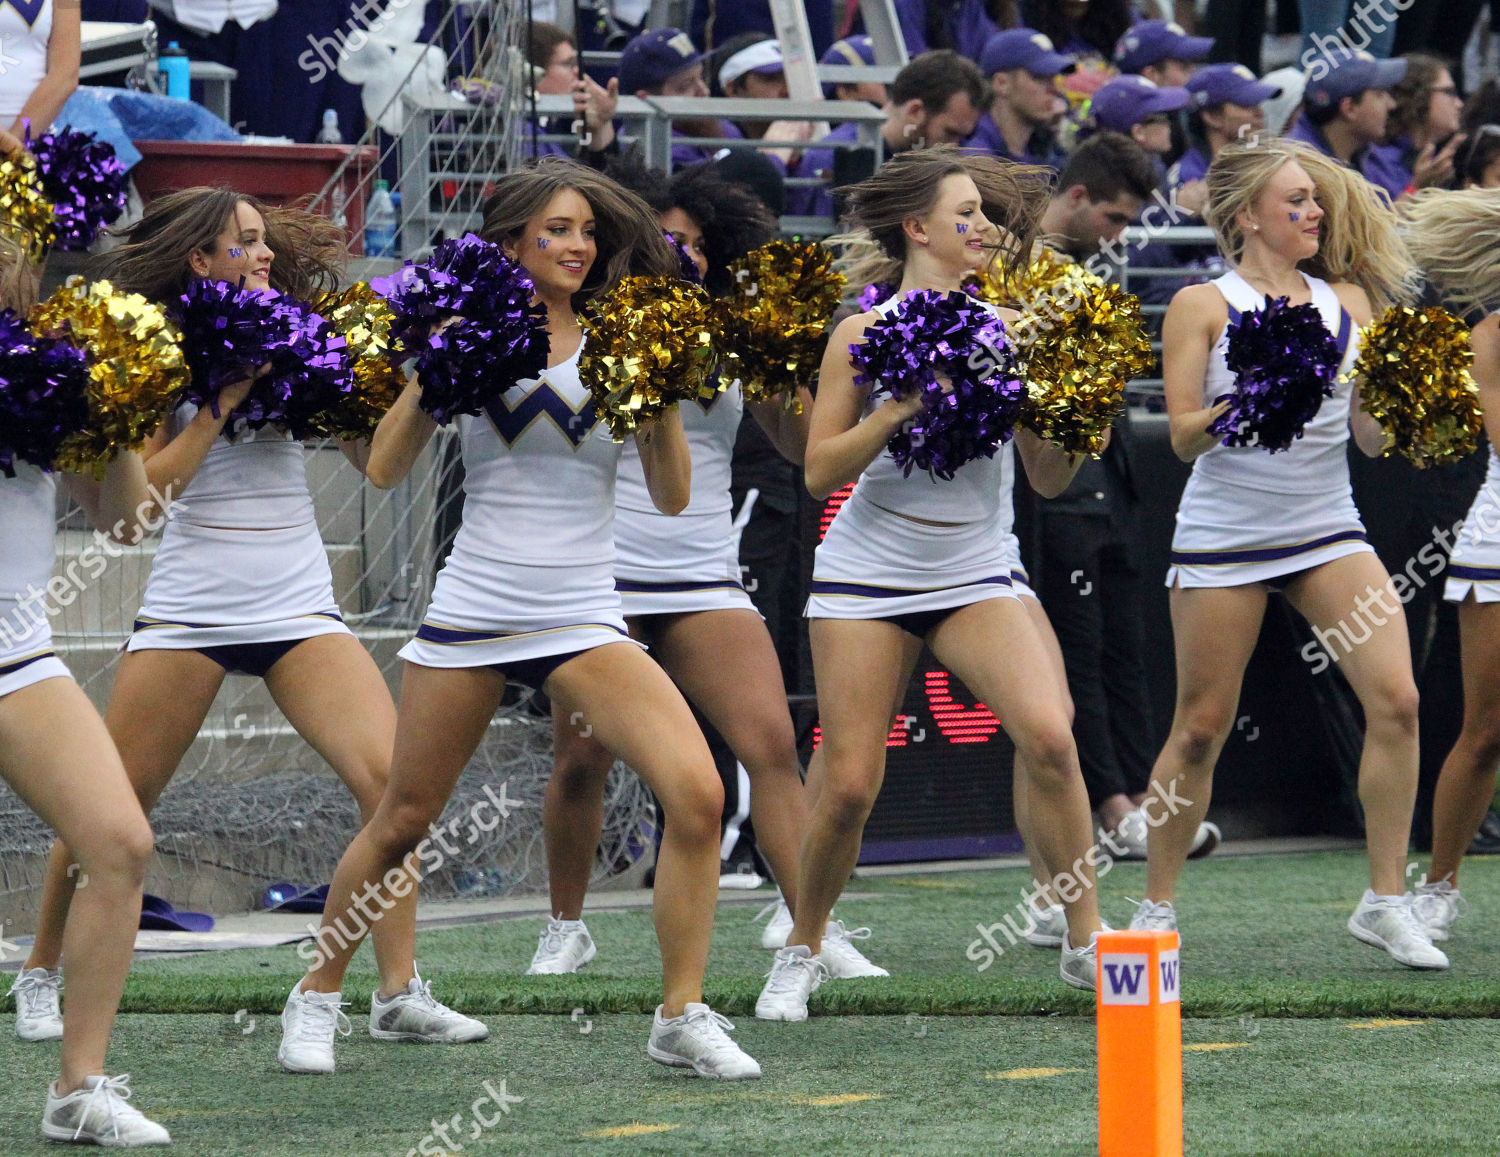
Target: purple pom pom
x=873, y=295
x=313, y=374
x=228, y=334
x=689, y=270
x=85, y=182
x=43, y=395
x=949, y=335
x=499, y=339
x=1285, y=364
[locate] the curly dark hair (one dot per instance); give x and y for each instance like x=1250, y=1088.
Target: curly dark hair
x=734, y=220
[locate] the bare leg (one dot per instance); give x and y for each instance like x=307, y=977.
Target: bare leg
x=1466, y=786
x=57, y=755
x=1041, y=874
x=573, y=812
x=157, y=705
x=1214, y=630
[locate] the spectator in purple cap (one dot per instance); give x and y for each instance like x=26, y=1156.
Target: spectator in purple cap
x=1423, y=136
x=962, y=25
x=1022, y=68
x=1226, y=100
x=934, y=100
x=853, y=52
x=1345, y=108
x=664, y=62
x=1137, y=108
x=1162, y=52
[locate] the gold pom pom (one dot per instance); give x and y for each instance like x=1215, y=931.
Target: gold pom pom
x=363, y=319
x=1077, y=362
x=775, y=320
x=25, y=211
x=647, y=345
x=1049, y=277
x=135, y=367
x=1414, y=379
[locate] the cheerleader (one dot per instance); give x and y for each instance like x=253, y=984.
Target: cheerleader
x=241, y=585
x=680, y=591
x=56, y=754
x=1452, y=237
x=1251, y=522
x=528, y=594
x=913, y=559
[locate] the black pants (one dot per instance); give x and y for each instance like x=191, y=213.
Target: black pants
x=1092, y=590
x=1238, y=27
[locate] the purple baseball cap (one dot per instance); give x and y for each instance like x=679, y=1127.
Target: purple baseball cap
x=1128, y=100
x=853, y=51
x=1154, y=41
x=1349, y=77
x=651, y=58
x=1023, y=48
x=1233, y=83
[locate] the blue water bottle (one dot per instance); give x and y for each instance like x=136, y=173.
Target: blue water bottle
x=172, y=64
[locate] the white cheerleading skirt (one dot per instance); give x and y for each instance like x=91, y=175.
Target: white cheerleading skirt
x=212, y=587
x=23, y=672
x=1232, y=536
x=490, y=613
x=670, y=565
x=1020, y=581
x=1475, y=565
x=873, y=564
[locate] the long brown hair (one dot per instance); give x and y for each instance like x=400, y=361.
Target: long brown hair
x=628, y=237
x=155, y=258
x=874, y=250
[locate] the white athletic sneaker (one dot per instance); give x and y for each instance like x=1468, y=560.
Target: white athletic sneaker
x=1046, y=926
x=38, y=1016
x=1390, y=923
x=795, y=975
x=841, y=958
x=778, y=927
x=308, y=1024
x=100, y=1113
x=1436, y=907
x=1079, y=966
x=565, y=946
x=417, y=1015
x=1131, y=834
x=1205, y=841
x=699, y=1040
x=1151, y=916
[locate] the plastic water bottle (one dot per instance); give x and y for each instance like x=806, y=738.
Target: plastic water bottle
x=380, y=223
x=172, y=64
x=329, y=134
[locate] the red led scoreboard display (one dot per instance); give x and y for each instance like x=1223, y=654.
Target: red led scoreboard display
x=947, y=789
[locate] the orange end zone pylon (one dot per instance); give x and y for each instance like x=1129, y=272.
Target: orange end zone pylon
x=1140, y=1045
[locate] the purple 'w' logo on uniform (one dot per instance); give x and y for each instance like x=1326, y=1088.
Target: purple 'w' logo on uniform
x=510, y=424
x=29, y=9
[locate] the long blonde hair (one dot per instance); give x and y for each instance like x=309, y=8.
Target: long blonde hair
x=1360, y=242
x=1454, y=236
x=873, y=250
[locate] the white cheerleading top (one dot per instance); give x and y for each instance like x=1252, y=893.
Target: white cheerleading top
x=28, y=528
x=539, y=479
x=256, y=482
x=710, y=430
x=1317, y=462
x=25, y=29
x=970, y=496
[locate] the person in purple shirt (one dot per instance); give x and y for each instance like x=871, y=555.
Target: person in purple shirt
x=1344, y=111
x=1162, y=52
x=962, y=25
x=934, y=100
x=1423, y=131
x=664, y=62
x=1135, y=107
x=1022, y=68
x=1226, y=105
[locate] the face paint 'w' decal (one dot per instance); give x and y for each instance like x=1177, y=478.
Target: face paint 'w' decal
x=29, y=10
x=510, y=423
x=962, y=228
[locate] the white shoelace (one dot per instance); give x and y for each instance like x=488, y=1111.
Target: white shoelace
x=767, y=910
x=715, y=1027
x=115, y=1093
x=836, y=931
x=322, y=1018
x=37, y=992
x=781, y=976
